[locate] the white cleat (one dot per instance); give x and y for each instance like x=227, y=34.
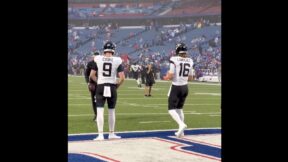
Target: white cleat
x=113, y=136
x=180, y=136
x=181, y=130
x=99, y=138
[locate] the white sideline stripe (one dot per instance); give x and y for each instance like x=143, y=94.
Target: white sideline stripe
x=186, y=113
x=160, y=88
x=73, y=134
x=213, y=94
x=190, y=104
x=148, y=122
x=142, y=88
x=139, y=105
x=164, y=81
x=189, y=111
x=216, y=84
x=129, y=94
x=72, y=95
x=147, y=98
x=137, y=89
x=148, y=105
x=215, y=115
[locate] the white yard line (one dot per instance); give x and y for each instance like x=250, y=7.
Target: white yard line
x=215, y=115
x=188, y=113
x=148, y=122
x=147, y=105
x=142, y=88
x=148, y=98
x=213, y=94
x=160, y=81
x=190, y=104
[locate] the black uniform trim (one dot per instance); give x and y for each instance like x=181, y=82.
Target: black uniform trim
x=120, y=68
x=177, y=97
x=171, y=62
x=91, y=65
x=110, y=100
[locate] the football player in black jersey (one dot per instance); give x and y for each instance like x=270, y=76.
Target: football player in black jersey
x=92, y=85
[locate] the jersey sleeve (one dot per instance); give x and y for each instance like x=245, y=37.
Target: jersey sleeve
x=191, y=71
x=87, y=72
x=171, y=65
x=120, y=67
x=94, y=66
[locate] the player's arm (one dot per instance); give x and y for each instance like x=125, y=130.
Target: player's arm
x=92, y=76
x=170, y=73
x=190, y=77
x=93, y=72
x=191, y=74
x=121, y=75
x=86, y=73
x=149, y=69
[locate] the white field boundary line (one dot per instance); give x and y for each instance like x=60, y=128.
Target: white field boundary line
x=127, y=91
x=147, y=105
x=86, y=97
x=188, y=107
x=156, y=106
x=139, y=105
x=81, y=96
x=150, y=98
x=149, y=122
x=142, y=95
x=213, y=94
x=123, y=114
x=215, y=115
x=73, y=134
x=136, y=89
x=142, y=88
x=163, y=81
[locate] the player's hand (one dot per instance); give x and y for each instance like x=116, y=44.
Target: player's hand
x=91, y=87
x=165, y=78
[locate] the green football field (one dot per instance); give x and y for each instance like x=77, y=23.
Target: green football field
x=135, y=112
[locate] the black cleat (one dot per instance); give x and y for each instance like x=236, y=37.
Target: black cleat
x=95, y=117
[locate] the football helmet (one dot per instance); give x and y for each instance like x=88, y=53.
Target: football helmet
x=96, y=53
x=109, y=47
x=181, y=48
